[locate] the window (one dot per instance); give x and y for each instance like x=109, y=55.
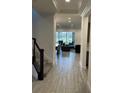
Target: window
x=66, y=37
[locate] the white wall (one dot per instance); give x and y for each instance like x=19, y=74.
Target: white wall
x=78, y=37
x=77, y=34
x=89, y=69
x=84, y=41
x=84, y=49
x=43, y=31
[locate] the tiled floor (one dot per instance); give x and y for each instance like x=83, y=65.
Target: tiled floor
x=64, y=77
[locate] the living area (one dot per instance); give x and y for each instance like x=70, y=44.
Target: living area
x=68, y=33
x=66, y=42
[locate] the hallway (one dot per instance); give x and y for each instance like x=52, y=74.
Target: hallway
x=65, y=76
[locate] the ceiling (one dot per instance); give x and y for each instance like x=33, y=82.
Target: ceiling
x=62, y=21
x=59, y=6
x=71, y=7
x=64, y=10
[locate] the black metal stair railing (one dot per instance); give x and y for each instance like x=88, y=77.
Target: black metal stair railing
x=38, y=59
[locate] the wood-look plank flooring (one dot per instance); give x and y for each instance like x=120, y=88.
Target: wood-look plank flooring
x=64, y=77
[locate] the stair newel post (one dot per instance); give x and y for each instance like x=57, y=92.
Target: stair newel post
x=34, y=57
x=41, y=74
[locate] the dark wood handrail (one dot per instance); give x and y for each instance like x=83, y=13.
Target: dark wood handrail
x=35, y=42
x=41, y=72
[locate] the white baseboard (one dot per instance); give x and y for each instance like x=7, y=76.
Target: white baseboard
x=89, y=87
x=83, y=66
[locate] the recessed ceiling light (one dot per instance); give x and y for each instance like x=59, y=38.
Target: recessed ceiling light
x=67, y=1
x=69, y=21
x=69, y=18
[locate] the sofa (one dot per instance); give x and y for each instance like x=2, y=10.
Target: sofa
x=65, y=48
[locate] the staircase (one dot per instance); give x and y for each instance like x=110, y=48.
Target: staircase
x=40, y=64
x=37, y=60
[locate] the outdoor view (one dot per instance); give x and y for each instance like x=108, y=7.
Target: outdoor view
x=66, y=37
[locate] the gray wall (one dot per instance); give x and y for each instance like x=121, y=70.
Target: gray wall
x=43, y=31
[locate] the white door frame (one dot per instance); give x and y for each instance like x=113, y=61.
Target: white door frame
x=84, y=31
